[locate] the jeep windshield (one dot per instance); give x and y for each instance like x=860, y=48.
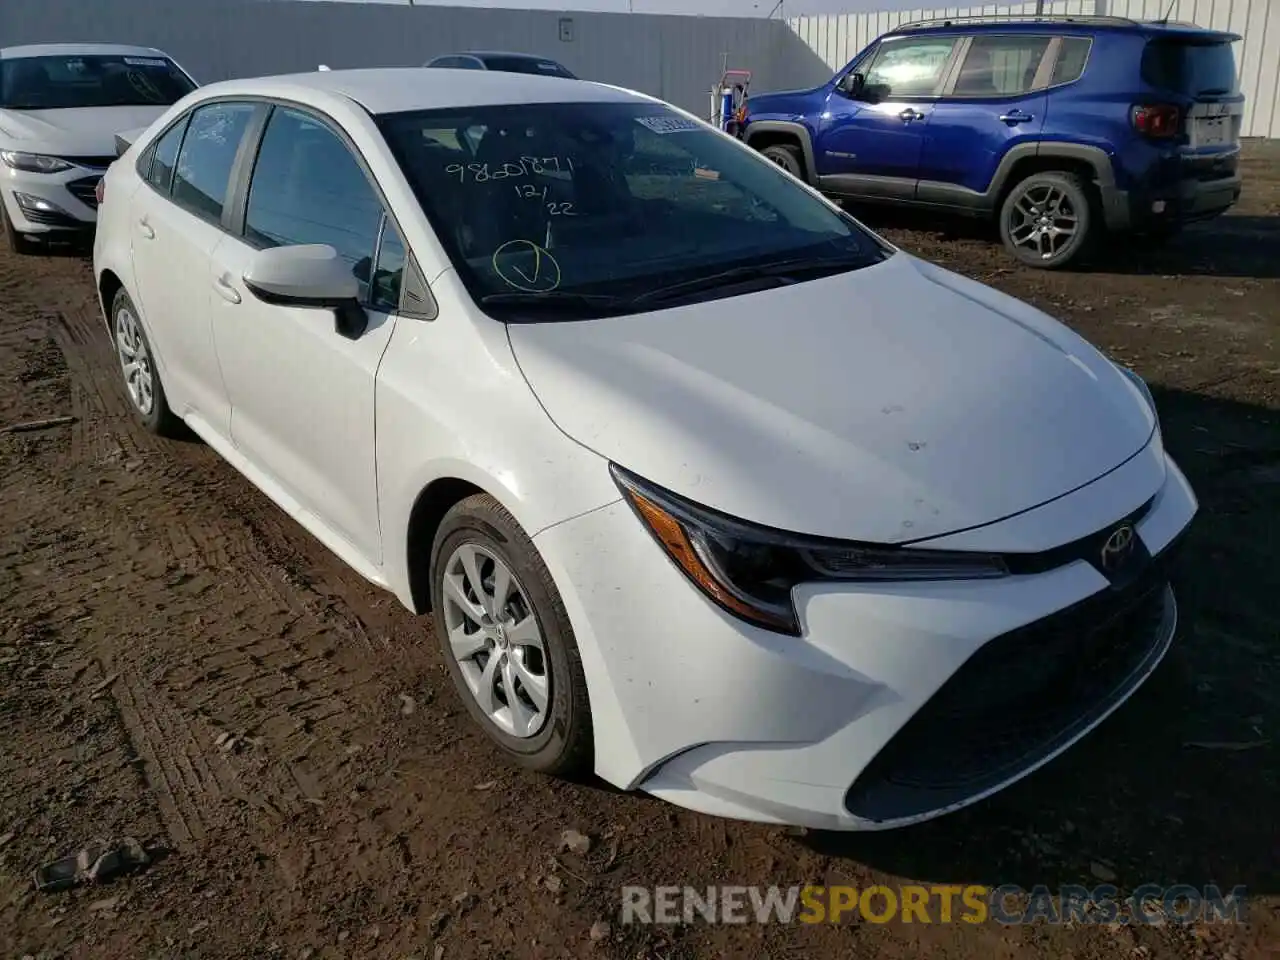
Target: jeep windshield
x=555, y=211
x=67, y=82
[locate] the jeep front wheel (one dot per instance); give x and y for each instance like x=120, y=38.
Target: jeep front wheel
x=1046, y=221
x=787, y=157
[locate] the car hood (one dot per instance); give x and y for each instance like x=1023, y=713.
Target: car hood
x=889, y=404
x=86, y=132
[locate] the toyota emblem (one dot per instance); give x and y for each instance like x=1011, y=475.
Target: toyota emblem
x=1118, y=548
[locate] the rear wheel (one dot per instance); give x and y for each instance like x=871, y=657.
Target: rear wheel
x=138, y=367
x=17, y=242
x=787, y=157
x=1047, y=220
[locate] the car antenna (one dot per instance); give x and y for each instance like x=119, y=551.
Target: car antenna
x=1168, y=13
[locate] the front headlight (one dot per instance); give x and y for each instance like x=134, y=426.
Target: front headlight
x=750, y=570
x=33, y=162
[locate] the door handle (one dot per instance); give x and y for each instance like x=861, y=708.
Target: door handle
x=225, y=290
x=910, y=114
x=144, y=228
x=1015, y=117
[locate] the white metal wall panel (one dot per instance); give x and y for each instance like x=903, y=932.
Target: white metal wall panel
x=1258, y=21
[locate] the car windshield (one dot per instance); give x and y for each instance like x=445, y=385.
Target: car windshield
x=604, y=208
x=64, y=82
x=527, y=65
x=1193, y=68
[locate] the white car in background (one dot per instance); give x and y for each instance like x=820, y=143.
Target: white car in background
x=61, y=106
x=709, y=489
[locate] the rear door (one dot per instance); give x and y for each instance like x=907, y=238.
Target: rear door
x=994, y=100
x=869, y=142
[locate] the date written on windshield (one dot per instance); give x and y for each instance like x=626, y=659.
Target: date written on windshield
x=527, y=191
x=525, y=166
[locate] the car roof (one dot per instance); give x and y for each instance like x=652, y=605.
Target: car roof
x=402, y=89
x=1059, y=24
x=78, y=50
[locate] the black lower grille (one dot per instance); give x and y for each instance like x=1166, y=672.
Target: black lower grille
x=1019, y=698
x=85, y=190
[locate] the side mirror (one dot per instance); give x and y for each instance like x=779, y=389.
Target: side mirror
x=851, y=84
x=309, y=275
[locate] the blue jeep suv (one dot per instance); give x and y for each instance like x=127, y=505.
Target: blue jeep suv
x=1058, y=128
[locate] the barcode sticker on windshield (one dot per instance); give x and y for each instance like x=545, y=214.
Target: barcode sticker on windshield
x=664, y=125
x=145, y=62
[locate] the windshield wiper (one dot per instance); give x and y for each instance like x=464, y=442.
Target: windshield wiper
x=556, y=301
x=795, y=268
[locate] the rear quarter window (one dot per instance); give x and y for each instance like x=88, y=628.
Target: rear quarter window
x=1072, y=56
x=1190, y=67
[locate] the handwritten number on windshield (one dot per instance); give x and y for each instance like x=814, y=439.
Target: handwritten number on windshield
x=523, y=167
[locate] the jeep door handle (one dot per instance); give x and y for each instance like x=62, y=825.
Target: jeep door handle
x=910, y=114
x=1014, y=117
x=225, y=290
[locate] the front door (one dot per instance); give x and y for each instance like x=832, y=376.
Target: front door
x=302, y=394
x=870, y=140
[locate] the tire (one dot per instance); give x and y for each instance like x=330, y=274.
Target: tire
x=558, y=741
x=141, y=382
x=788, y=157
x=18, y=244
x=1023, y=232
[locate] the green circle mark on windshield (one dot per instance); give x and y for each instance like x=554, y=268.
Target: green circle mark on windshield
x=525, y=266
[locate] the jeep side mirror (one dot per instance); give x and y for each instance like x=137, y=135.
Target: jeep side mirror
x=851, y=84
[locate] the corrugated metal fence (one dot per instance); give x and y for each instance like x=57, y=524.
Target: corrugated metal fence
x=677, y=58
x=837, y=38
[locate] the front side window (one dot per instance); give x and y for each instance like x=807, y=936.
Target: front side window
x=66, y=82
x=599, y=205
x=909, y=68
x=1000, y=66
x=308, y=187
x=208, y=152
x=164, y=157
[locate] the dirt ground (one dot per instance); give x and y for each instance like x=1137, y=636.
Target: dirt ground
x=152, y=602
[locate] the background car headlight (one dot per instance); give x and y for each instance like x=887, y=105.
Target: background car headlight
x=750, y=570
x=33, y=162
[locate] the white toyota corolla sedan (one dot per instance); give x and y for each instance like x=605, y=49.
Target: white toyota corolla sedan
x=708, y=488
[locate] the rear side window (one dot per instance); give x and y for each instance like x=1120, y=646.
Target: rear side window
x=1072, y=56
x=207, y=155
x=164, y=157
x=1195, y=69
x=308, y=187
x=1000, y=66
x=526, y=65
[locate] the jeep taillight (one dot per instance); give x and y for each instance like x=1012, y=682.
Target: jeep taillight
x=1159, y=120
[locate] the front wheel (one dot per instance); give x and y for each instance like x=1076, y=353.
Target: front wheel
x=1047, y=220
x=507, y=640
x=787, y=157
x=18, y=244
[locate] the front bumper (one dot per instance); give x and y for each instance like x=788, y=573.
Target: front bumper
x=47, y=205
x=843, y=727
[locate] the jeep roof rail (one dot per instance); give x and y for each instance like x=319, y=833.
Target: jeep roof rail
x=1019, y=18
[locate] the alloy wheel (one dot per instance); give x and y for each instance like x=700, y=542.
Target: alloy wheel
x=1044, y=221
x=496, y=641
x=135, y=361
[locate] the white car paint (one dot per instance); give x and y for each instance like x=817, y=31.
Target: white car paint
x=893, y=403
x=86, y=137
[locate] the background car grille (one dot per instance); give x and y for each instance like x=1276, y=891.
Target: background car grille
x=1017, y=699
x=84, y=191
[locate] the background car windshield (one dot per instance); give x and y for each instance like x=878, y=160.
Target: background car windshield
x=56, y=83
x=527, y=65
x=605, y=199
